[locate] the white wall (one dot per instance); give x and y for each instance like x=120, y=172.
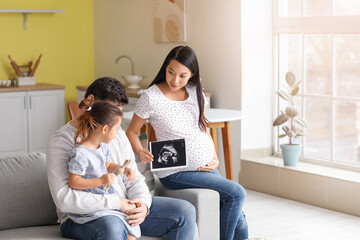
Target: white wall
x=214, y=32
x=257, y=90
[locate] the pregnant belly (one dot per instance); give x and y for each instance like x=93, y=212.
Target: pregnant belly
x=199, y=151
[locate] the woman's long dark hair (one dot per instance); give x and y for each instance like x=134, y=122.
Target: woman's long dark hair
x=187, y=57
x=100, y=113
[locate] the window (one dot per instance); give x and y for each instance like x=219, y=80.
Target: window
x=319, y=41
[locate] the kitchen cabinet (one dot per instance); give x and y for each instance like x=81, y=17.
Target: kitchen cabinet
x=29, y=118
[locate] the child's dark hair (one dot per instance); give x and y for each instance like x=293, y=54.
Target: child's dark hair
x=187, y=57
x=100, y=113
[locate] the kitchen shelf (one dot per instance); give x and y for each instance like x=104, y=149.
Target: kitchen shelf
x=26, y=12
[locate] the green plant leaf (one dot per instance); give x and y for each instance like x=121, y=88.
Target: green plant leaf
x=301, y=121
x=292, y=111
x=282, y=118
x=291, y=134
x=295, y=91
x=297, y=84
x=290, y=78
x=282, y=135
x=284, y=95
x=286, y=128
x=302, y=134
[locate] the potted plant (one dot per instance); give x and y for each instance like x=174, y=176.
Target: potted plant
x=289, y=119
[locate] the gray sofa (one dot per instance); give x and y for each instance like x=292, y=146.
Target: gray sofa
x=27, y=210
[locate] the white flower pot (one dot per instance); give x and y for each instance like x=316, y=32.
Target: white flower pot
x=290, y=153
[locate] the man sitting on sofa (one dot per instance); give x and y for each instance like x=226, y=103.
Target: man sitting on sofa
x=157, y=216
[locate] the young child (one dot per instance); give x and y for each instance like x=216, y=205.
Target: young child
x=90, y=168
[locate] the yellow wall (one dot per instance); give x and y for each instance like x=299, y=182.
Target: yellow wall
x=64, y=39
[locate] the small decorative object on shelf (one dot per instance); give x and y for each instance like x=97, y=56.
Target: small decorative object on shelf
x=25, y=81
x=15, y=67
x=5, y=83
x=291, y=152
x=25, y=73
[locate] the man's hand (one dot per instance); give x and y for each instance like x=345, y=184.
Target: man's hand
x=126, y=205
x=136, y=215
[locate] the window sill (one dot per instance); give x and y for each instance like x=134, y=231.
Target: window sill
x=326, y=187
x=310, y=168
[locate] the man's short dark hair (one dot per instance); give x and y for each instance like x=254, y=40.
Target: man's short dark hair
x=108, y=88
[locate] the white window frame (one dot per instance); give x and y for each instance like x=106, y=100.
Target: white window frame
x=312, y=25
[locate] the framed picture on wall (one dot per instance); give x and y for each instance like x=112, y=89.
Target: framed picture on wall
x=169, y=21
x=168, y=154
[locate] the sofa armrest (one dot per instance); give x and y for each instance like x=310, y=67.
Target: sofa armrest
x=206, y=202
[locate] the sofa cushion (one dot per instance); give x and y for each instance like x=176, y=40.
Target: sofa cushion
x=25, y=196
x=51, y=232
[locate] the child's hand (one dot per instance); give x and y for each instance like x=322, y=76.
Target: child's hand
x=129, y=173
x=107, y=179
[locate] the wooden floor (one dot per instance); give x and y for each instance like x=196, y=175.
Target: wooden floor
x=274, y=218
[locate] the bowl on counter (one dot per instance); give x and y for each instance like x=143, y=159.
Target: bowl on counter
x=133, y=81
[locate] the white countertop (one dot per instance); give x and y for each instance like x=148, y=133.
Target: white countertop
x=223, y=115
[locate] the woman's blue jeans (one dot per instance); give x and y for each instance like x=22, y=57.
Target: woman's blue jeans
x=233, y=223
x=172, y=217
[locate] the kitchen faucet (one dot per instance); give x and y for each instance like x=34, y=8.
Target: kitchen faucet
x=131, y=61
